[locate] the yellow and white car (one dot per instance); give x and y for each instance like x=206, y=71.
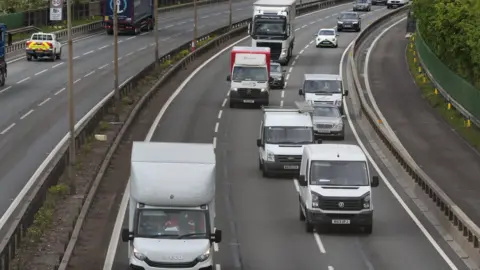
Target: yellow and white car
x=42, y=45
x=326, y=37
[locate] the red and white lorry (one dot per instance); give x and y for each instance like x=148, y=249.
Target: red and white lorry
x=249, y=75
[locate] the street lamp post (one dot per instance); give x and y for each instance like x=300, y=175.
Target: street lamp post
x=115, y=60
x=71, y=109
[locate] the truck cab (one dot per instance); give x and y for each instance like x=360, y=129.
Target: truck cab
x=273, y=27
x=323, y=89
x=334, y=187
x=172, y=206
x=249, y=76
x=283, y=133
x=5, y=40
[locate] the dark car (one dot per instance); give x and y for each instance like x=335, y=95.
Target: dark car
x=278, y=76
x=379, y=2
x=349, y=21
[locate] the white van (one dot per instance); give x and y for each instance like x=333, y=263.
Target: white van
x=396, y=3
x=334, y=187
x=283, y=133
x=323, y=89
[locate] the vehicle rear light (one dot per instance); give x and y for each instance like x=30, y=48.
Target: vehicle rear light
x=49, y=44
x=28, y=43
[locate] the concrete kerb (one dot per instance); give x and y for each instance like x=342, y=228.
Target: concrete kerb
x=454, y=220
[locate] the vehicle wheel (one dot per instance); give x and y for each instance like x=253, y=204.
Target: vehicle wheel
x=2, y=79
x=336, y=45
x=302, y=216
x=341, y=137
x=260, y=165
x=368, y=229
x=59, y=55
x=109, y=32
x=231, y=104
x=358, y=29
x=339, y=29
x=283, y=85
x=308, y=227
x=29, y=58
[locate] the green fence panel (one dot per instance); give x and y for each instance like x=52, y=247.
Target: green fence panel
x=459, y=89
x=14, y=20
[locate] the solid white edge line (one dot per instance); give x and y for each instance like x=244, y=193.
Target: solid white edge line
x=112, y=250
x=385, y=180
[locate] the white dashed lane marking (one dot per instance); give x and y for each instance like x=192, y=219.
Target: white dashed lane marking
x=38, y=73
x=88, y=74
x=26, y=114
x=60, y=91
x=43, y=102
x=23, y=80
x=7, y=129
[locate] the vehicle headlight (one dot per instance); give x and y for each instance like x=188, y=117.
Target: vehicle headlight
x=338, y=125
x=355, y=22
x=284, y=51
x=233, y=89
x=314, y=200
x=333, y=39
x=338, y=102
x=140, y=256
x=204, y=256
x=263, y=89
x=270, y=156
x=340, y=22
x=366, y=202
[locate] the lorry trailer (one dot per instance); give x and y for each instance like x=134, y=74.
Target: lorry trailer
x=5, y=39
x=134, y=16
x=171, y=221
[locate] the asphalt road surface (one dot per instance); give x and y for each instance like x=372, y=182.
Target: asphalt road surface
x=446, y=157
x=259, y=216
x=33, y=104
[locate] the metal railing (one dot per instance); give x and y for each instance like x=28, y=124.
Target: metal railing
x=458, y=224
x=54, y=166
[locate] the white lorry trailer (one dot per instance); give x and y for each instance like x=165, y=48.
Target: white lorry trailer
x=172, y=206
x=273, y=26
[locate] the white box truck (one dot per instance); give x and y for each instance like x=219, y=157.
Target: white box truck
x=172, y=206
x=273, y=26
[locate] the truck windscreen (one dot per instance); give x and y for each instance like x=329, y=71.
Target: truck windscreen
x=288, y=135
x=242, y=73
x=338, y=173
x=322, y=86
x=269, y=26
x=172, y=224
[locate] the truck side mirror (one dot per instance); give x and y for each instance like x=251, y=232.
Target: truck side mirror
x=284, y=70
x=9, y=39
x=217, y=237
x=259, y=142
x=375, y=181
x=300, y=92
x=345, y=92
x=301, y=181
x=229, y=78
x=126, y=235
x=249, y=28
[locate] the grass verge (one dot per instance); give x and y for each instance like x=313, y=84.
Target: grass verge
x=463, y=126
x=56, y=27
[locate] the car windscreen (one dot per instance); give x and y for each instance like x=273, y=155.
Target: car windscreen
x=362, y=1
x=326, y=33
x=276, y=68
x=322, y=86
x=339, y=173
x=326, y=111
x=348, y=16
x=249, y=74
x=288, y=135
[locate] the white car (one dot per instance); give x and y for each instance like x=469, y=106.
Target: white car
x=327, y=37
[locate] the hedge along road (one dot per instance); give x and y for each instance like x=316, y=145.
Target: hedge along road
x=33, y=106
x=259, y=216
x=446, y=157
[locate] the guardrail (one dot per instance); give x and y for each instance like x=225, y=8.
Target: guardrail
x=98, y=26
x=467, y=231
x=49, y=172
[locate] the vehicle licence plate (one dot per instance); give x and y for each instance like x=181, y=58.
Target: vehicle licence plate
x=340, y=221
x=290, y=167
x=326, y=131
x=39, y=51
x=248, y=101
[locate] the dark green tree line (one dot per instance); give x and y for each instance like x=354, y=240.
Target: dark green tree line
x=451, y=28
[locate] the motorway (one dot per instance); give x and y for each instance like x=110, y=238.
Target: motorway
x=259, y=216
x=33, y=104
x=446, y=157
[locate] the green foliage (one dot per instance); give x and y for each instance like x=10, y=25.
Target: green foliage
x=451, y=29
x=44, y=217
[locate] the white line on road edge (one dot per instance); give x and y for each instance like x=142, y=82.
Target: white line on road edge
x=112, y=247
x=385, y=180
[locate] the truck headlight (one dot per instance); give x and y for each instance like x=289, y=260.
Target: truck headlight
x=338, y=102
x=233, y=89
x=314, y=200
x=366, y=202
x=270, y=156
x=339, y=22
x=140, y=256
x=284, y=51
x=204, y=256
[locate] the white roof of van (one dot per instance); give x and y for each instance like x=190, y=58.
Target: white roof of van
x=322, y=77
x=172, y=174
x=274, y=2
x=287, y=119
x=340, y=152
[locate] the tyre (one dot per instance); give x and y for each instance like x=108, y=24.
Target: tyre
x=301, y=215
x=265, y=173
x=2, y=79
x=368, y=229
x=109, y=32
x=336, y=45
x=59, y=55
x=29, y=58
x=260, y=165
x=308, y=226
x=231, y=104
x=341, y=137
